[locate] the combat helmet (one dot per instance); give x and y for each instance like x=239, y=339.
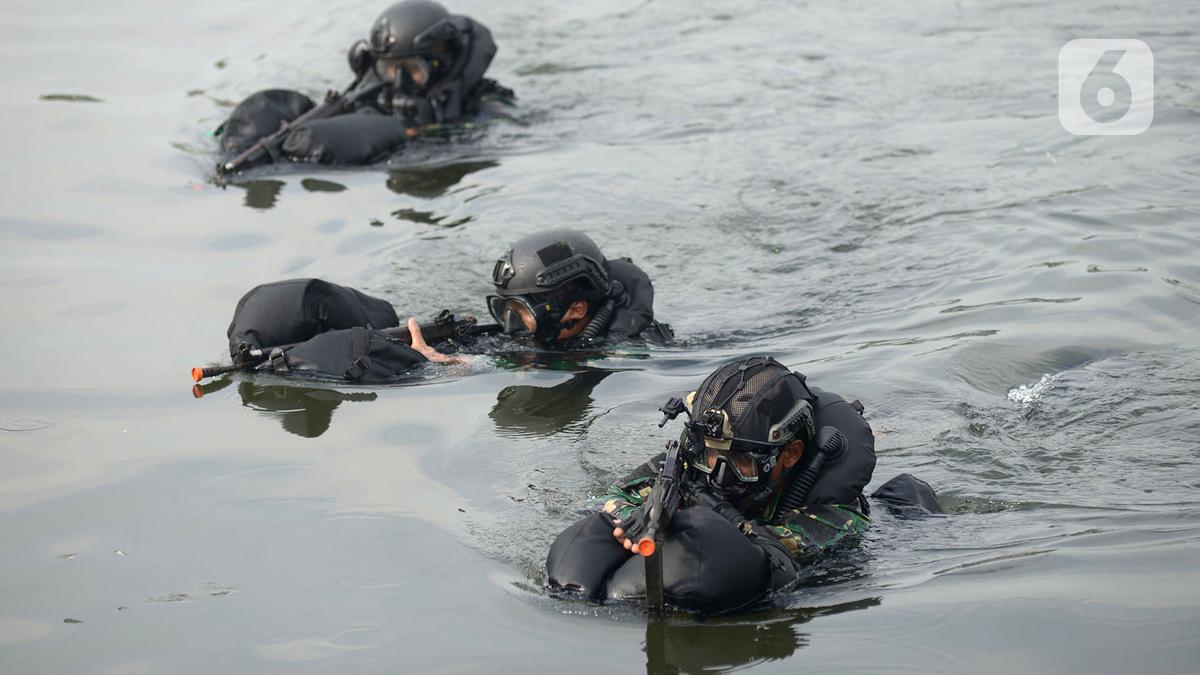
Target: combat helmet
x=422, y=31
x=411, y=28
x=739, y=421
x=541, y=275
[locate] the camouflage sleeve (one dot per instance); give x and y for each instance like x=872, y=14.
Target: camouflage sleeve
x=631, y=492
x=813, y=529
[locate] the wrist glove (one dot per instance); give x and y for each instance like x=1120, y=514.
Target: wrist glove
x=637, y=524
x=633, y=524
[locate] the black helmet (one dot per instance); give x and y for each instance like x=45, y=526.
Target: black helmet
x=413, y=44
x=541, y=275
x=411, y=28
x=740, y=419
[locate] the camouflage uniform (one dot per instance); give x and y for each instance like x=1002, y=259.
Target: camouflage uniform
x=803, y=532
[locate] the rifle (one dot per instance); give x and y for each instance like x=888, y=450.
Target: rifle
x=268, y=146
x=664, y=501
x=442, y=328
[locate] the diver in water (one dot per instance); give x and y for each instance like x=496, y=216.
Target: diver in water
x=420, y=70
x=773, y=473
x=558, y=288
x=432, y=61
x=554, y=287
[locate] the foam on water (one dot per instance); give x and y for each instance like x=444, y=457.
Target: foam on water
x=1026, y=394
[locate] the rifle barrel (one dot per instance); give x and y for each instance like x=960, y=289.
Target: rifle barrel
x=646, y=546
x=199, y=373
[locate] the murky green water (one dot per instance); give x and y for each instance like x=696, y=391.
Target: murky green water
x=882, y=197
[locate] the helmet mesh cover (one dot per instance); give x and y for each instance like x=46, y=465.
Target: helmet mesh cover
x=756, y=393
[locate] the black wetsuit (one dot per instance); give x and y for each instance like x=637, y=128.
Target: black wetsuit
x=333, y=331
x=377, y=127
x=633, y=306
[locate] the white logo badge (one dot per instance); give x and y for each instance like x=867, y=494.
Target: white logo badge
x=1105, y=87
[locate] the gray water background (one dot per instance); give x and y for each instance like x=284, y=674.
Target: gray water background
x=878, y=194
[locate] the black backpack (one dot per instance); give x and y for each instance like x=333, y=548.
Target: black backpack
x=322, y=329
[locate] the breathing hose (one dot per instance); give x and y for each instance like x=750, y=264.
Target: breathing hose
x=831, y=444
x=599, y=322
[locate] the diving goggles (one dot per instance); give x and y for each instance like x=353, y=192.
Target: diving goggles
x=514, y=314
x=746, y=467
x=411, y=69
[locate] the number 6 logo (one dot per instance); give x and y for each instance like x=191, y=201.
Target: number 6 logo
x=1105, y=87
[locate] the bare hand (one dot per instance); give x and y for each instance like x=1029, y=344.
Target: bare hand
x=419, y=344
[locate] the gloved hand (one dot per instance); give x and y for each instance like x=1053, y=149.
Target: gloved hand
x=629, y=530
x=638, y=524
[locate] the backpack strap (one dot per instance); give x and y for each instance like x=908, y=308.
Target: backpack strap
x=360, y=347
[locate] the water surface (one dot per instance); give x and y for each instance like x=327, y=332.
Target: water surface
x=880, y=196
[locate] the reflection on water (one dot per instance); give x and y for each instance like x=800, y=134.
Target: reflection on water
x=318, y=185
x=428, y=218
x=202, y=389
x=261, y=194
x=423, y=182
x=304, y=411
x=530, y=410
x=433, y=181
x=678, y=645
x=71, y=98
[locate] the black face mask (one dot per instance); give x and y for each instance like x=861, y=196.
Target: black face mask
x=746, y=497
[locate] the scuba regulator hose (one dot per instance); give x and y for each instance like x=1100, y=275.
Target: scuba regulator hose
x=831, y=444
x=599, y=322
